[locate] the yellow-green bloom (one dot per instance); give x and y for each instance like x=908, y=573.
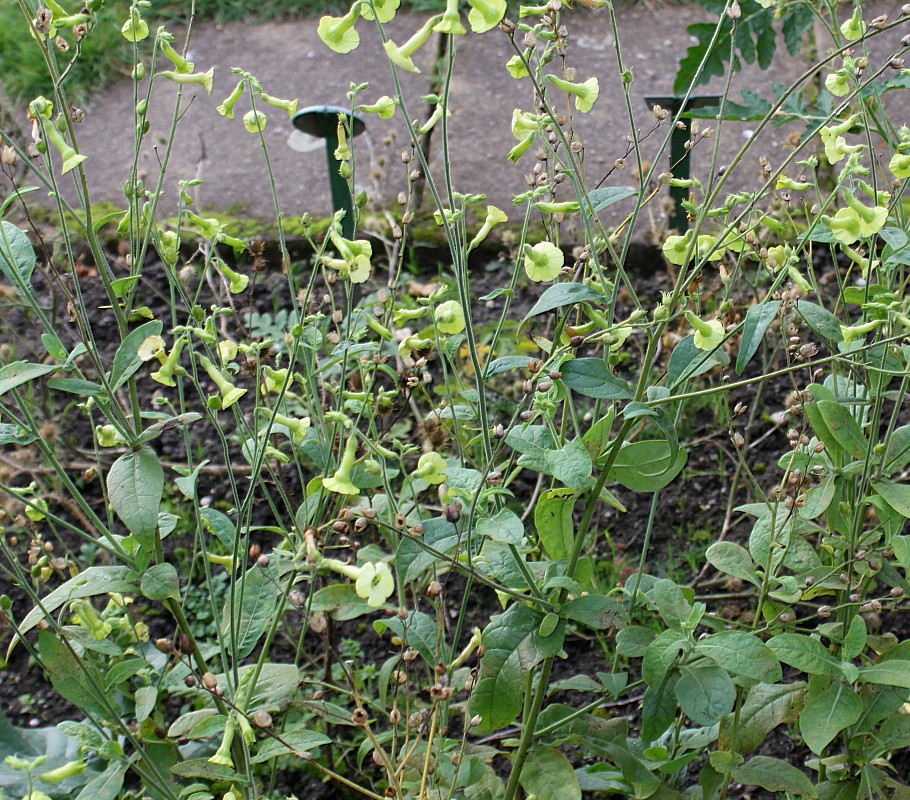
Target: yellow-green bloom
x=385, y=10
x=837, y=83
x=494, y=216
x=854, y=28
x=899, y=165
x=543, y=261
x=431, y=467
x=338, y=33
x=135, y=29
x=451, y=20
x=204, y=79
x=340, y=482
x=450, y=317
x=226, y=109
x=708, y=335
x=485, y=14
x=585, y=93
x=401, y=56
x=375, y=583
x=857, y=221
x=384, y=106
x=288, y=105
x=179, y=62
x=254, y=121
x=516, y=67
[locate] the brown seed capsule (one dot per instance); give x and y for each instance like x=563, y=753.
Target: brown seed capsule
x=824, y=611
x=394, y=716
x=855, y=598
x=359, y=716
x=209, y=680
x=262, y=719
x=434, y=589
x=255, y=551
x=190, y=681
x=787, y=617
x=453, y=512
x=164, y=645
x=263, y=561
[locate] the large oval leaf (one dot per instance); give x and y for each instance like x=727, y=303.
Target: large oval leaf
x=591, y=377
x=135, y=484
x=17, y=256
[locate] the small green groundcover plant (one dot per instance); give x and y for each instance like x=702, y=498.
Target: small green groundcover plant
x=358, y=550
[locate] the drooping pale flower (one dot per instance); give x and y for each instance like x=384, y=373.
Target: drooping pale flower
x=43, y=109
x=838, y=83
x=384, y=107
x=401, y=56
x=524, y=128
x=494, y=216
x=226, y=109
x=237, y=281
x=899, y=165
x=676, y=247
x=485, y=14
x=354, y=262
x=857, y=221
x=288, y=105
x=135, y=29
x=375, y=584
x=708, y=335
x=340, y=482
x=339, y=33
x=180, y=63
x=516, y=67
x=204, y=79
x=585, y=93
x=431, y=467
x=543, y=261
x=451, y=20
x=150, y=348
x=254, y=121
x=385, y=10
x=450, y=317
x=230, y=394
x=854, y=28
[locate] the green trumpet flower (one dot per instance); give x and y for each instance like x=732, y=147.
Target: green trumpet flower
x=494, y=216
x=71, y=159
x=384, y=106
x=180, y=63
x=226, y=109
x=401, y=56
x=237, y=282
x=254, y=121
x=585, y=93
x=230, y=394
x=449, y=317
x=297, y=426
x=340, y=482
x=451, y=20
x=288, y=105
x=543, y=261
x=135, y=29
x=708, y=335
x=485, y=14
x=170, y=365
x=338, y=33
x=385, y=10
x=204, y=79
x=223, y=756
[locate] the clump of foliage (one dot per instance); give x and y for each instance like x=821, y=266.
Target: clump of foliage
x=376, y=459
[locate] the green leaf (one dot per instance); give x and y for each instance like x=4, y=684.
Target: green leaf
x=571, y=464
x=823, y=322
x=498, y=691
x=892, y=672
x=606, y=196
x=17, y=256
x=10, y=433
x=705, y=694
x=758, y=318
x=844, y=428
x=828, y=714
x=77, y=386
x=596, y=611
x=245, y=619
x=68, y=675
x=505, y=526
x=592, y=378
x=146, y=697
x=658, y=709
x=548, y=774
x=88, y=583
x=894, y=733
x=161, y=582
x=687, y=361
x=855, y=640
x=660, y=655
x=135, y=485
x=774, y=775
x=504, y=364
x=804, y=653
x=294, y=741
x=156, y=429
x=203, y=768
x=105, y=786
x=896, y=495
x=562, y=294
x=126, y=359
x=19, y=372
x=765, y=707
x=741, y=653
x=122, y=285
x=553, y=521
x=646, y=466
x=734, y=560
x=417, y=630
x=632, y=642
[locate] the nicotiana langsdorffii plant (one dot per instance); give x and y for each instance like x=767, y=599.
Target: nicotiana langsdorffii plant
x=402, y=458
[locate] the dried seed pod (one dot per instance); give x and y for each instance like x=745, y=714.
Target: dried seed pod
x=359, y=717
x=262, y=719
x=209, y=681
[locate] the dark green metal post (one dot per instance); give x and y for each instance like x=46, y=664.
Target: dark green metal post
x=680, y=165
x=322, y=122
